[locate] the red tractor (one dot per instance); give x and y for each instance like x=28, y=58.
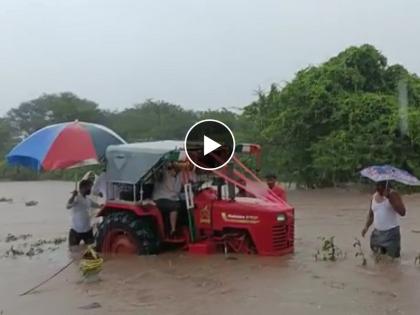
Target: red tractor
x=228, y=208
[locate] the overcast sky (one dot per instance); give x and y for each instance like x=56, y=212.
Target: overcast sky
x=195, y=53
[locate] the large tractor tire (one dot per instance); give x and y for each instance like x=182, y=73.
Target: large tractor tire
x=126, y=233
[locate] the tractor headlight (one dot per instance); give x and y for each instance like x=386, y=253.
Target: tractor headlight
x=281, y=217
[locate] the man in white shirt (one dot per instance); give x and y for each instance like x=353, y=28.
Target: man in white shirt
x=80, y=205
x=166, y=195
x=384, y=213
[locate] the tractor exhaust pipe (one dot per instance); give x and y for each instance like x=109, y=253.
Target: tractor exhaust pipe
x=231, y=186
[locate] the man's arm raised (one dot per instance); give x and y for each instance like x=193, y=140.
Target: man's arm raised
x=397, y=203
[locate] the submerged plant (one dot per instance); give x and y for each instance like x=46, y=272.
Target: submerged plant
x=13, y=238
x=12, y=252
x=34, y=251
x=359, y=251
x=36, y=248
x=55, y=241
x=328, y=251
x=417, y=260
x=31, y=203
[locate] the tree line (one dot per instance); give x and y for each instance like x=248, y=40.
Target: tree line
x=319, y=129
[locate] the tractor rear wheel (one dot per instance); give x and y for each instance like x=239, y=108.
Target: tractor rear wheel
x=126, y=233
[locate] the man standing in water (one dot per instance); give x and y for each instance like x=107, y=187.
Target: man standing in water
x=386, y=208
x=80, y=205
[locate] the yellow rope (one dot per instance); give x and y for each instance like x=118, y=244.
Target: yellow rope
x=90, y=263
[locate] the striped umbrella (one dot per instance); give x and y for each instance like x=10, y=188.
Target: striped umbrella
x=63, y=146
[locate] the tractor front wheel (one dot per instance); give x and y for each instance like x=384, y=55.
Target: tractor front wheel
x=126, y=233
x=239, y=242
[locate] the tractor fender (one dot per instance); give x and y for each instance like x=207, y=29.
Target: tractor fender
x=149, y=211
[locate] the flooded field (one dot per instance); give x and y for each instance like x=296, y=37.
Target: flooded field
x=178, y=283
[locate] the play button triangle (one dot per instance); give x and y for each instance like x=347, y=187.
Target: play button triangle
x=210, y=145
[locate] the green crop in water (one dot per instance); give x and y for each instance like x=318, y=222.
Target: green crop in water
x=359, y=251
x=328, y=250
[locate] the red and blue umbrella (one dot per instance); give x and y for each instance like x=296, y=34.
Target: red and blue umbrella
x=63, y=146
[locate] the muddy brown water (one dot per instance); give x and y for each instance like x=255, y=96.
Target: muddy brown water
x=178, y=283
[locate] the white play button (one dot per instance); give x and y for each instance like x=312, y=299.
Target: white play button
x=210, y=145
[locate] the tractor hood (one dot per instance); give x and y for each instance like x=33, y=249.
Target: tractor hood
x=254, y=204
x=245, y=205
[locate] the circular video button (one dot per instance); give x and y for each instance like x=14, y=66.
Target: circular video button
x=209, y=144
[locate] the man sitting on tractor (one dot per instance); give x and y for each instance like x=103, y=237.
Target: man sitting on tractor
x=166, y=195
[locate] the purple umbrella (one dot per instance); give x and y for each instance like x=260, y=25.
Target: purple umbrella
x=381, y=173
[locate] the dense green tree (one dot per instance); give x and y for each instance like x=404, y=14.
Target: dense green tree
x=53, y=108
x=153, y=120
x=233, y=120
x=335, y=118
x=159, y=120
x=5, y=136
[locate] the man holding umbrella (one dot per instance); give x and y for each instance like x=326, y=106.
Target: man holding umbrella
x=63, y=146
x=385, y=209
x=80, y=205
